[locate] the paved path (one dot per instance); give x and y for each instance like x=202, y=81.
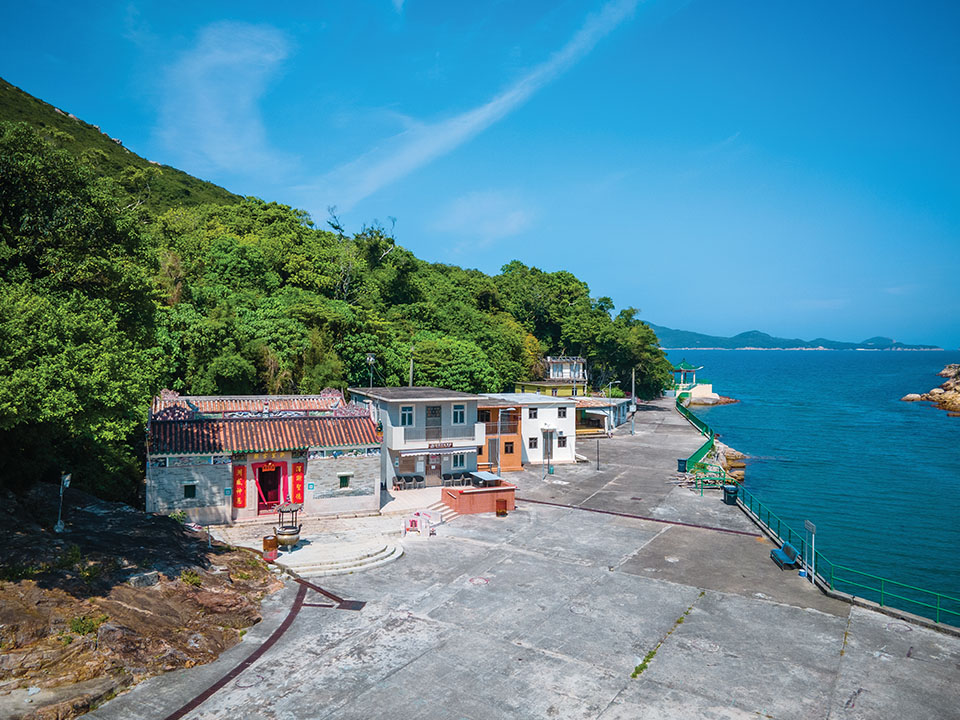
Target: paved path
x=547, y=612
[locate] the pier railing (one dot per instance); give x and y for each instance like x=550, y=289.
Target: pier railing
x=883, y=591
x=840, y=578
x=701, y=452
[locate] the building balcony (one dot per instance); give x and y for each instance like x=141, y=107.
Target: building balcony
x=425, y=438
x=507, y=427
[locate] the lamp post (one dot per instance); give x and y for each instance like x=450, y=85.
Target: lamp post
x=610, y=413
x=371, y=359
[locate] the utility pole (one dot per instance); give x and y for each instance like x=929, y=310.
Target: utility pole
x=633, y=401
x=64, y=483
x=410, y=381
x=598, y=454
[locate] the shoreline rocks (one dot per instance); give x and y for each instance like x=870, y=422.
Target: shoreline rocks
x=946, y=396
x=732, y=461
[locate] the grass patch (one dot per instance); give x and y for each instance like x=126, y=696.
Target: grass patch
x=241, y=575
x=84, y=624
x=190, y=578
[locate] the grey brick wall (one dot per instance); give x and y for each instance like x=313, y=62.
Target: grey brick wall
x=325, y=473
x=165, y=490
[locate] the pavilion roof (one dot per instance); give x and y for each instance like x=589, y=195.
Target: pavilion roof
x=684, y=365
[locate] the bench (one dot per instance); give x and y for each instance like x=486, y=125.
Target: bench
x=786, y=556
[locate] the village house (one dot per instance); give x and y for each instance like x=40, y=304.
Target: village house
x=428, y=432
x=600, y=415
x=228, y=459
x=503, y=451
x=564, y=377
x=547, y=426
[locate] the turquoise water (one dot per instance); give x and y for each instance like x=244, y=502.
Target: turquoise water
x=830, y=441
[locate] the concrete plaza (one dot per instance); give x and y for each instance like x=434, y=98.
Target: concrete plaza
x=547, y=613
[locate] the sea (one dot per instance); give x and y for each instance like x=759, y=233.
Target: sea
x=829, y=440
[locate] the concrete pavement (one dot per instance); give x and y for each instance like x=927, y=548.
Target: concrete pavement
x=548, y=612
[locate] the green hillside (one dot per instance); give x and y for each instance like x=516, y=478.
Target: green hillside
x=104, y=302
x=158, y=186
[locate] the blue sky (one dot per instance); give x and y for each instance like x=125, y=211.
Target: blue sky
x=723, y=166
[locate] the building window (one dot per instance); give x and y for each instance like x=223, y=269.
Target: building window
x=561, y=412
x=459, y=461
x=344, y=480
x=508, y=448
x=574, y=390
x=532, y=444
x=483, y=416
x=554, y=392
x=532, y=413
x=561, y=442
x=459, y=414
x=189, y=492
x=406, y=416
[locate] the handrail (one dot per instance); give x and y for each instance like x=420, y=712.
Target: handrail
x=841, y=578
x=847, y=577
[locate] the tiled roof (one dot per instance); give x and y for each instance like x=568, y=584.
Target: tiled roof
x=214, y=435
x=170, y=405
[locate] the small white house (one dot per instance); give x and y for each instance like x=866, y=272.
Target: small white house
x=548, y=426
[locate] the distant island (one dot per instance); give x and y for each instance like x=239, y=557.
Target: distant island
x=671, y=339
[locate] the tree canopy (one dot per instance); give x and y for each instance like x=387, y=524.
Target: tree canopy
x=106, y=301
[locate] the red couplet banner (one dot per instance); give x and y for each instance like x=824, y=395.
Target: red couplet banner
x=298, y=482
x=239, y=486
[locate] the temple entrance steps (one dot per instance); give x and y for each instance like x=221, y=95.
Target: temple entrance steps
x=325, y=559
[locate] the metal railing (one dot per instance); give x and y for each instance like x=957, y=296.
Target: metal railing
x=438, y=432
x=920, y=601
x=507, y=427
x=857, y=583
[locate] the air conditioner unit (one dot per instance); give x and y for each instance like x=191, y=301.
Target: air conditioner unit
x=560, y=433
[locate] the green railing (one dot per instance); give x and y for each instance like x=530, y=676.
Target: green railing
x=704, y=429
x=937, y=606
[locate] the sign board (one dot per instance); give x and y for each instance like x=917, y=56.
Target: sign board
x=810, y=527
x=310, y=486
x=633, y=407
x=435, y=445
x=228, y=492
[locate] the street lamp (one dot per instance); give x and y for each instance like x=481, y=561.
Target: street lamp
x=371, y=359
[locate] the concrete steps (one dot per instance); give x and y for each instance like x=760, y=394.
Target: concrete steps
x=340, y=559
x=446, y=512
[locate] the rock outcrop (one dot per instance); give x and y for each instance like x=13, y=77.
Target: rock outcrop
x=947, y=396
x=121, y=595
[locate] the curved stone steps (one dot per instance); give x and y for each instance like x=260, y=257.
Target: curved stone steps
x=340, y=559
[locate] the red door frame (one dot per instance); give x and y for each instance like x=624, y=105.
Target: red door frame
x=284, y=489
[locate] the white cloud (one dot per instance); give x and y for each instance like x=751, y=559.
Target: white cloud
x=402, y=154
x=484, y=216
x=210, y=115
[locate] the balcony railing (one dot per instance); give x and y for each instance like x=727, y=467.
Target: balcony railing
x=438, y=432
x=507, y=427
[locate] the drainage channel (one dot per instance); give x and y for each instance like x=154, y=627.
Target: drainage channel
x=640, y=517
x=298, y=604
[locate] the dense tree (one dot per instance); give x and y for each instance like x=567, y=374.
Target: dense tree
x=106, y=300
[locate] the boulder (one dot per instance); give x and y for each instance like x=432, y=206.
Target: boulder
x=911, y=397
x=936, y=391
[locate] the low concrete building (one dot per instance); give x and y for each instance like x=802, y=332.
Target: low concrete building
x=547, y=426
x=600, y=415
x=428, y=432
x=221, y=460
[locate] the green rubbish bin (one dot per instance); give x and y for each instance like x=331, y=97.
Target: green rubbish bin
x=681, y=465
x=730, y=494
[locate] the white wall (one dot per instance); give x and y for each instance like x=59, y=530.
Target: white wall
x=548, y=415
